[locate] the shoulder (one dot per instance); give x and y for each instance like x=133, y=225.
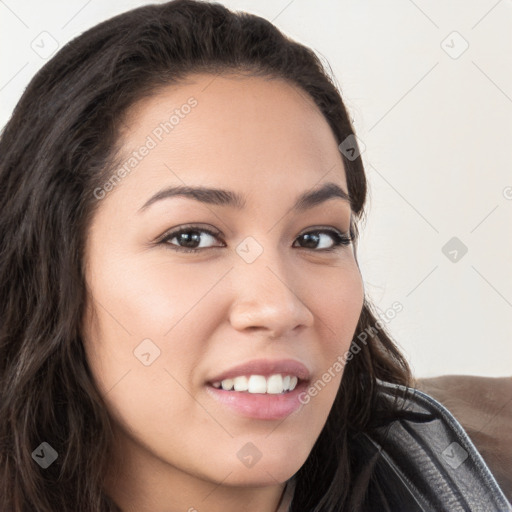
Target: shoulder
x=483, y=406
x=426, y=454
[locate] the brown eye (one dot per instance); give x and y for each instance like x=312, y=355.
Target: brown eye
x=196, y=239
x=189, y=239
x=314, y=239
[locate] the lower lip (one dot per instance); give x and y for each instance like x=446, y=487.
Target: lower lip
x=261, y=406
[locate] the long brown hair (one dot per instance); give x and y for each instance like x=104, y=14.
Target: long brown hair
x=59, y=145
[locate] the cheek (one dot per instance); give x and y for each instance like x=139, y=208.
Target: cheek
x=152, y=295
x=146, y=394
x=338, y=303
x=146, y=307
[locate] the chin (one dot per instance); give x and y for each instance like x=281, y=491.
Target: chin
x=260, y=475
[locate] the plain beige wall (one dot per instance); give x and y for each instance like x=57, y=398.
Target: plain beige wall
x=433, y=109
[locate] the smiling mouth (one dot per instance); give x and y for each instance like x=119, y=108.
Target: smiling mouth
x=258, y=404
x=276, y=384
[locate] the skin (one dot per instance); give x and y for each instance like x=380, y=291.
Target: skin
x=176, y=447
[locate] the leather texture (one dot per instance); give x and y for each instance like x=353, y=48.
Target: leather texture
x=483, y=406
x=422, y=460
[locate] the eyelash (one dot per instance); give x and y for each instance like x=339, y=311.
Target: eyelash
x=339, y=239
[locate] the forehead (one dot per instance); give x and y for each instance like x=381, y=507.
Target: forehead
x=247, y=130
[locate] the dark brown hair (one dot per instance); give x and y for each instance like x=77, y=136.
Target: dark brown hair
x=59, y=145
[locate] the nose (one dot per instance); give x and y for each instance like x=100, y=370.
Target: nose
x=268, y=298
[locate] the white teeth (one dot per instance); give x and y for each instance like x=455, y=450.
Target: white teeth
x=257, y=384
x=227, y=384
x=274, y=384
x=241, y=383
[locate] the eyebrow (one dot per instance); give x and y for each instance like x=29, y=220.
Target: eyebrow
x=221, y=197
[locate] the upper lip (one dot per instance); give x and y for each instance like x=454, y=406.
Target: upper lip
x=265, y=367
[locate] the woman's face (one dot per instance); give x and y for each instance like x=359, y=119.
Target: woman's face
x=163, y=324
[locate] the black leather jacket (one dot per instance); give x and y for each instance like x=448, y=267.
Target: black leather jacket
x=424, y=461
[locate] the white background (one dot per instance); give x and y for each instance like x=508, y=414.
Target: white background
x=437, y=131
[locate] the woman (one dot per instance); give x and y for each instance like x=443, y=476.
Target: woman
x=183, y=320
